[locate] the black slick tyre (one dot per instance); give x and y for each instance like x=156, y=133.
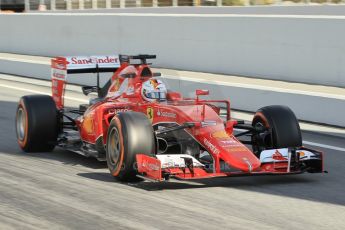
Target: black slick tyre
x=282, y=129
x=37, y=123
x=129, y=133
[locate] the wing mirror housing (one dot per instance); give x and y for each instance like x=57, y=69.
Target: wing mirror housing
x=89, y=89
x=201, y=92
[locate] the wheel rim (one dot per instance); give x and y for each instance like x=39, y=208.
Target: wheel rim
x=114, y=147
x=21, y=124
x=260, y=140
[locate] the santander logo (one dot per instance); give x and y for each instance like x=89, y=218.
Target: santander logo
x=90, y=60
x=80, y=61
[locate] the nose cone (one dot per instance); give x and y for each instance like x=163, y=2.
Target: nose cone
x=236, y=154
x=244, y=160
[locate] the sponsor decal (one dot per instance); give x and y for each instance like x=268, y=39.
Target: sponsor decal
x=282, y=155
x=60, y=66
x=211, y=146
x=81, y=62
x=166, y=114
x=107, y=59
x=171, y=164
x=118, y=110
x=306, y=155
x=274, y=155
x=236, y=149
x=151, y=166
x=229, y=142
x=89, y=60
x=220, y=134
x=278, y=156
x=58, y=74
x=149, y=113
x=58, y=84
x=58, y=63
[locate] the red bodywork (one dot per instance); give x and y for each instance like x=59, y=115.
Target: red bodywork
x=218, y=138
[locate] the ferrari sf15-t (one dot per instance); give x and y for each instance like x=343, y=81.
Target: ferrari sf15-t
x=143, y=129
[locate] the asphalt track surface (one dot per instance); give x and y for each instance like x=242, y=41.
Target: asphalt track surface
x=63, y=190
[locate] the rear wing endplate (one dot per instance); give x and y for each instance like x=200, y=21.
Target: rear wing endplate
x=62, y=66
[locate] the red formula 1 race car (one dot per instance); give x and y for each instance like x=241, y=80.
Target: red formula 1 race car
x=142, y=129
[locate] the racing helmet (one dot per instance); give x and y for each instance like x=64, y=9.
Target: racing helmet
x=154, y=90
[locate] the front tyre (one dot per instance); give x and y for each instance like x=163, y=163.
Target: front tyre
x=129, y=133
x=37, y=123
x=281, y=129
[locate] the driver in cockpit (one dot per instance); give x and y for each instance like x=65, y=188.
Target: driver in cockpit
x=154, y=90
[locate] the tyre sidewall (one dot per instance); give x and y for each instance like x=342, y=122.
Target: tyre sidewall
x=41, y=129
x=115, y=169
x=136, y=137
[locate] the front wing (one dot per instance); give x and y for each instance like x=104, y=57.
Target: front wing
x=273, y=162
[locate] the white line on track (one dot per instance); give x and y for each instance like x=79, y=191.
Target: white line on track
x=39, y=92
x=82, y=100
x=317, y=144
x=324, y=146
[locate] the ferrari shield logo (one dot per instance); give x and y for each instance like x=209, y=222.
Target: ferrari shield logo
x=149, y=113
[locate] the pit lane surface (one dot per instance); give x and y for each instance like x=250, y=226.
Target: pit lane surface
x=63, y=190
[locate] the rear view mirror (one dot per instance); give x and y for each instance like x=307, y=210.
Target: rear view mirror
x=128, y=75
x=89, y=89
x=200, y=92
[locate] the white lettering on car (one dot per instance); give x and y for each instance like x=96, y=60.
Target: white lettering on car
x=166, y=114
x=211, y=146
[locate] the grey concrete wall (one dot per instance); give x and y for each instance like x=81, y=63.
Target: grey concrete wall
x=292, y=48
x=306, y=107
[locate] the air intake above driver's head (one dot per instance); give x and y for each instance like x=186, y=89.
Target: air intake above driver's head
x=146, y=72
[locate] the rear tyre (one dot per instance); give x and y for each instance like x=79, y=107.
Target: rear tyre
x=282, y=129
x=37, y=123
x=129, y=133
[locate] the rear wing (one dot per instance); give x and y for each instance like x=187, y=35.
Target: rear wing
x=62, y=66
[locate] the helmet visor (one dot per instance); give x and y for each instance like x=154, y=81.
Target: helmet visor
x=156, y=95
